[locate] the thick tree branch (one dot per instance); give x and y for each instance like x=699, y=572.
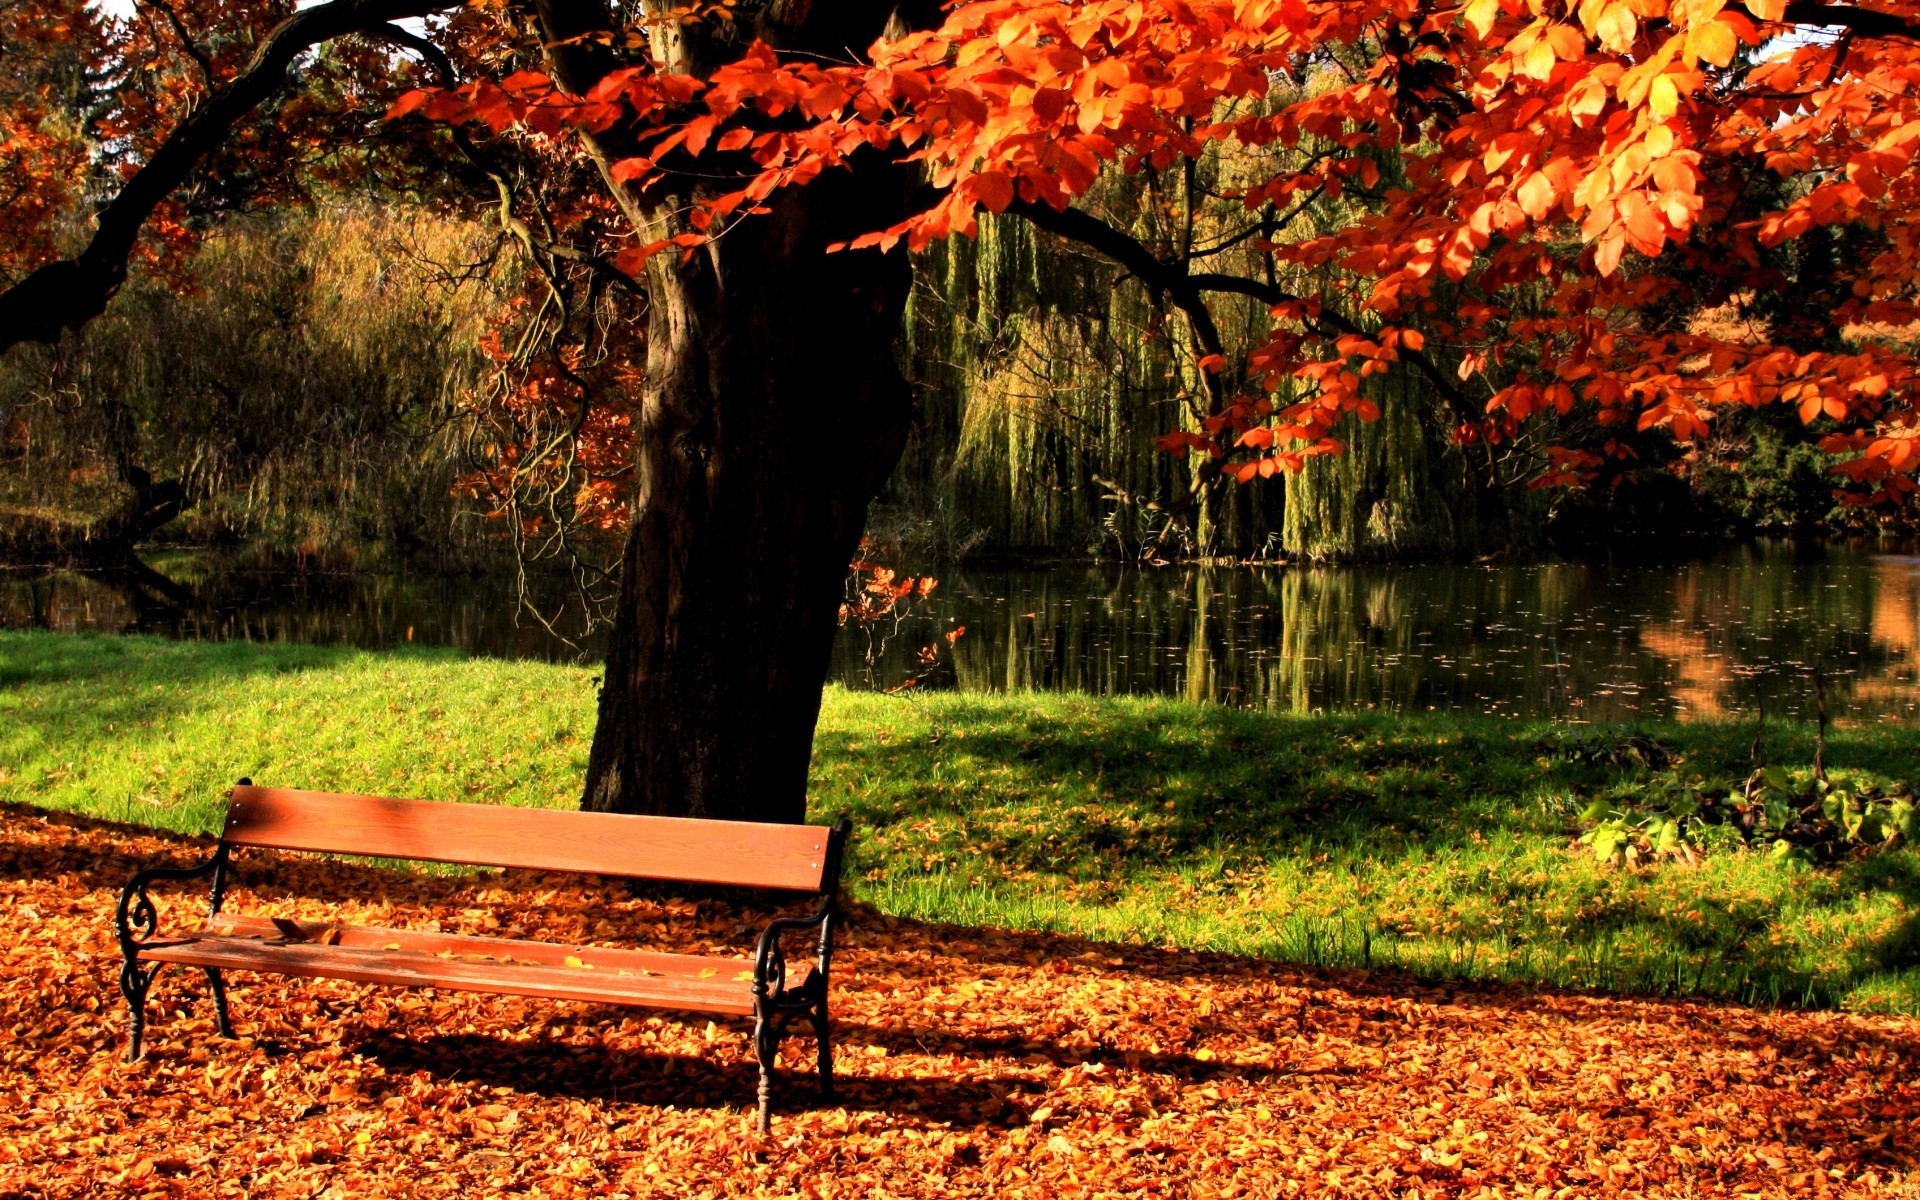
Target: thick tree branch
x=1188, y=291
x=69, y=293
x=1868, y=22
x=1339, y=322
x=435, y=58
x=1168, y=279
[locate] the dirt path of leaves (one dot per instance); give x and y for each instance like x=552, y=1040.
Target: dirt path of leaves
x=973, y=1065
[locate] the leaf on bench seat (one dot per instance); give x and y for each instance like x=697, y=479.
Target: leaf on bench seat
x=575, y=962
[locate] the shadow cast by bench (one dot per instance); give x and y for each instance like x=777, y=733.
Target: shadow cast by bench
x=660, y=1079
x=989, y=1070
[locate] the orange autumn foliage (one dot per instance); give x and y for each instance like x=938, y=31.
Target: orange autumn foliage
x=1546, y=199
x=1568, y=183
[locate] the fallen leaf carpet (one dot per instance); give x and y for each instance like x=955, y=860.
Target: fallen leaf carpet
x=971, y=1063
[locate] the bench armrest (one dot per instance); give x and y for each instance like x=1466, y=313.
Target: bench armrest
x=770, y=960
x=770, y=991
x=136, y=920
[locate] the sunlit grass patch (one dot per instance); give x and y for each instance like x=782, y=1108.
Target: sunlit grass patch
x=1439, y=845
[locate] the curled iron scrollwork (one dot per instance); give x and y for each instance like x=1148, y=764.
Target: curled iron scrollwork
x=136, y=921
x=139, y=921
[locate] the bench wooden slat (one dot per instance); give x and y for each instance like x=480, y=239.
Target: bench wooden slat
x=419, y=969
x=731, y=853
x=551, y=954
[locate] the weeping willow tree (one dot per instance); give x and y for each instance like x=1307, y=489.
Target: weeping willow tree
x=303, y=394
x=1043, y=386
x=1048, y=372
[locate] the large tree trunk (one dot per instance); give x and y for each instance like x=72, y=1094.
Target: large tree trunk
x=775, y=411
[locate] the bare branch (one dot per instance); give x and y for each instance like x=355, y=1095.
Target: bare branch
x=1187, y=291
x=180, y=31
x=70, y=292
x=1868, y=22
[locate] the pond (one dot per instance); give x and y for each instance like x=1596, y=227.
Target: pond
x=1580, y=641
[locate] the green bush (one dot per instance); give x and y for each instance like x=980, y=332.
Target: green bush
x=1800, y=816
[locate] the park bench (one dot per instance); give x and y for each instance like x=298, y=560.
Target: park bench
x=796, y=858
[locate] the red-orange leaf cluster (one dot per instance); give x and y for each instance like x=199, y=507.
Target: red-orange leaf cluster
x=1582, y=209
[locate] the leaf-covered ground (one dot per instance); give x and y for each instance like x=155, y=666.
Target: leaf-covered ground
x=972, y=1064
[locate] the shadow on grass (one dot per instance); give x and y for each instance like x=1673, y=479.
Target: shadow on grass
x=103, y=698
x=1142, y=782
x=102, y=687
x=1438, y=844
x=151, y=730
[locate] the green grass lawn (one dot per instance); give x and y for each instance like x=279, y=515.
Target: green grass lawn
x=1440, y=845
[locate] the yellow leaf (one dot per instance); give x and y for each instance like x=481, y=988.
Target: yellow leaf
x=1481, y=14
x=1538, y=61
x=574, y=962
x=708, y=972
x=1715, y=42
x=1767, y=10
x=1663, y=97
x=1616, y=28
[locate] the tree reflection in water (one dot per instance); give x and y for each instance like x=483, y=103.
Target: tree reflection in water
x=1577, y=641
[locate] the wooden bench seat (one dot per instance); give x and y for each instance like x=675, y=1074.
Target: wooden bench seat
x=410, y=958
x=786, y=857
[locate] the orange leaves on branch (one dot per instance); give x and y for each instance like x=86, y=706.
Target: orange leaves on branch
x=1562, y=173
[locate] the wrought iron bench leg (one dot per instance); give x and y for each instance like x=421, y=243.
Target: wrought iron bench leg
x=823, y=1036
x=222, y=1022
x=135, y=983
x=766, y=1048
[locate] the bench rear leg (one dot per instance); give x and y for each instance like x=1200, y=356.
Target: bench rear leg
x=222, y=1022
x=823, y=1036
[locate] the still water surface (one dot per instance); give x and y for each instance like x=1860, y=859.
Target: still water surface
x=1578, y=641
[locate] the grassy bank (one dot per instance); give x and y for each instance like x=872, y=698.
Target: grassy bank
x=1437, y=844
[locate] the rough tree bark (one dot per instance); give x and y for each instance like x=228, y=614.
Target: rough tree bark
x=774, y=411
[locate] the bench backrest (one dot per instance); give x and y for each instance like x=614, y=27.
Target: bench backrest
x=677, y=849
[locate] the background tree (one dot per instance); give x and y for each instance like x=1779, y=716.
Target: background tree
x=757, y=171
